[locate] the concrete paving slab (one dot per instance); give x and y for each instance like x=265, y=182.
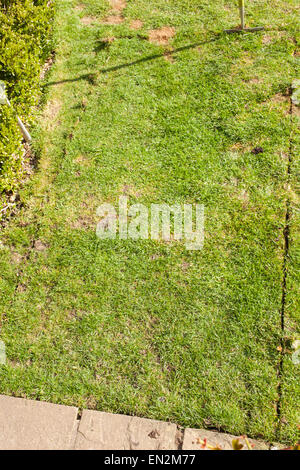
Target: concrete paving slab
x=214, y=438
x=105, y=431
x=28, y=424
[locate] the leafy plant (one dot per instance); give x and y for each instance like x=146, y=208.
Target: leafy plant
x=24, y=45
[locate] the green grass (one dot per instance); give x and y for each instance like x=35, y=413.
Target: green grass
x=143, y=327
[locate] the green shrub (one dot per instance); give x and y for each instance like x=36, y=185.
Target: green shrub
x=25, y=43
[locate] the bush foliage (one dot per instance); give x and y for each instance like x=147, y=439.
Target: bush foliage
x=25, y=43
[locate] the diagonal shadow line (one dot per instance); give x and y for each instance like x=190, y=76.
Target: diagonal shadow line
x=89, y=76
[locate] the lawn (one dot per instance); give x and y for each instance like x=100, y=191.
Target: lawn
x=143, y=327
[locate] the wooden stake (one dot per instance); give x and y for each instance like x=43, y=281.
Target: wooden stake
x=242, y=28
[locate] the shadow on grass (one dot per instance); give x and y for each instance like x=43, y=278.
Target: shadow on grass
x=90, y=77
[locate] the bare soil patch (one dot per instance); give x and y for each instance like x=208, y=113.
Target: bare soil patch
x=117, y=5
x=88, y=20
x=161, y=36
x=39, y=246
x=21, y=288
x=279, y=102
x=185, y=266
x=114, y=19
x=82, y=160
x=280, y=98
x=84, y=223
x=51, y=113
x=136, y=24
x=296, y=111
x=254, y=80
x=169, y=57
x=266, y=39
x=16, y=257
x=53, y=109
x=79, y=7
x=48, y=64
x=130, y=190
x=243, y=196
x=109, y=40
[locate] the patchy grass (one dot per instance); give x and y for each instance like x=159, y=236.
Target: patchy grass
x=144, y=327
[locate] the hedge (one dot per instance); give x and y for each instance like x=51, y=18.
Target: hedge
x=25, y=43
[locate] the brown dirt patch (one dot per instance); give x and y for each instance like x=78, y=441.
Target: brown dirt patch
x=84, y=223
x=279, y=98
x=46, y=67
x=237, y=147
x=88, y=20
x=169, y=57
x=91, y=403
x=82, y=160
x=16, y=257
x=130, y=190
x=51, y=114
x=52, y=110
x=254, y=80
x=86, y=217
x=161, y=36
x=284, y=156
x=185, y=266
x=243, y=196
x=79, y=7
x=111, y=20
x=84, y=103
x=266, y=39
x=279, y=101
x=296, y=111
x=109, y=40
x=21, y=288
x=117, y=5
x=136, y=24
x=39, y=246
